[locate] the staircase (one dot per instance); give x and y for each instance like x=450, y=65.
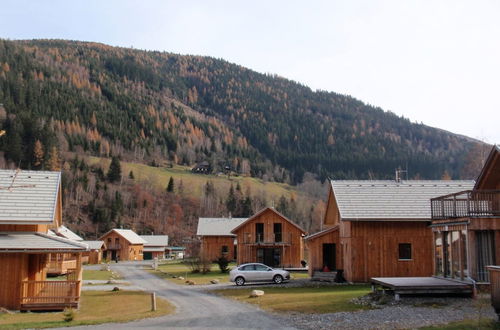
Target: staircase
x=324, y=276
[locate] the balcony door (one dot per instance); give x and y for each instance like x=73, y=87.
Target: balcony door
x=259, y=232
x=485, y=252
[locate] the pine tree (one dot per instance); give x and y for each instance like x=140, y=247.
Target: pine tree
x=38, y=154
x=131, y=175
x=170, y=186
x=115, y=170
x=54, y=163
x=231, y=201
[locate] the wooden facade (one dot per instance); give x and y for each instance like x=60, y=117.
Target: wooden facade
x=118, y=248
x=372, y=245
x=270, y=238
x=466, y=227
x=25, y=248
x=214, y=247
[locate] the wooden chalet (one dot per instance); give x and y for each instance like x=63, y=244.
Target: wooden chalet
x=94, y=255
x=216, y=237
x=155, y=246
x=62, y=263
x=270, y=238
x=466, y=227
x=30, y=205
x=122, y=244
x=377, y=228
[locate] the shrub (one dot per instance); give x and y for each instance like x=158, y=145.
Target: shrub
x=68, y=314
x=223, y=263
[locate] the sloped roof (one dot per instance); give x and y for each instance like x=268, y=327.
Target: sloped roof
x=391, y=200
x=65, y=232
x=490, y=171
x=38, y=242
x=321, y=233
x=94, y=245
x=155, y=240
x=272, y=209
x=218, y=226
x=128, y=234
x=154, y=249
x=28, y=197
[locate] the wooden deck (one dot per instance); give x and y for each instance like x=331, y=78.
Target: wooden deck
x=422, y=285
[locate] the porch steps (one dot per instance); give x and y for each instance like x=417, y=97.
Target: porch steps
x=324, y=276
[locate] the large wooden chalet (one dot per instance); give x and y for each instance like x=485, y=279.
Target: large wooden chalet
x=270, y=238
x=377, y=228
x=155, y=246
x=466, y=227
x=216, y=239
x=30, y=205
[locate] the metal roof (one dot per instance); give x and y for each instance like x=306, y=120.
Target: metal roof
x=94, y=245
x=128, y=234
x=155, y=240
x=218, y=226
x=65, y=232
x=154, y=249
x=37, y=242
x=28, y=197
x=391, y=200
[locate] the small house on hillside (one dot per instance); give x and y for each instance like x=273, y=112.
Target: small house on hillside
x=202, y=168
x=30, y=205
x=155, y=246
x=122, y=244
x=377, y=229
x=216, y=237
x=270, y=238
x=466, y=227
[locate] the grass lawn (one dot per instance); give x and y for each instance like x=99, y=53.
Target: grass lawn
x=179, y=269
x=103, y=275
x=467, y=324
x=325, y=299
x=96, y=307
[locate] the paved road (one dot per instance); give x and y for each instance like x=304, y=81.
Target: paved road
x=195, y=309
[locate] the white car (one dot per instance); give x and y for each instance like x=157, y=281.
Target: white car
x=255, y=272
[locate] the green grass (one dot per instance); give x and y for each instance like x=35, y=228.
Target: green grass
x=103, y=275
x=194, y=183
x=325, y=299
x=467, y=324
x=178, y=269
x=96, y=307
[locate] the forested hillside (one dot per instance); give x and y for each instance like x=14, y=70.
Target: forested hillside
x=65, y=104
x=161, y=107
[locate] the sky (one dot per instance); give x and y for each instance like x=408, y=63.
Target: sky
x=435, y=62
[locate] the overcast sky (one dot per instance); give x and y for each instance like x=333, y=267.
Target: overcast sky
x=436, y=62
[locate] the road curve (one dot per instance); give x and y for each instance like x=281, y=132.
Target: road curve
x=195, y=309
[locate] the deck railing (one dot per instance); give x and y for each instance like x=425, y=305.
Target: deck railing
x=469, y=203
x=49, y=294
x=115, y=246
x=267, y=238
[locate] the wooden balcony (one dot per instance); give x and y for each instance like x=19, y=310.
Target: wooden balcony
x=115, y=246
x=466, y=204
x=267, y=238
x=49, y=295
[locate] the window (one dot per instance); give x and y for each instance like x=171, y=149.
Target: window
x=261, y=268
x=404, y=251
x=225, y=249
x=248, y=268
x=277, y=232
x=259, y=232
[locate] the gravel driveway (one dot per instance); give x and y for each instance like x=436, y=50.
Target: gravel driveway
x=195, y=309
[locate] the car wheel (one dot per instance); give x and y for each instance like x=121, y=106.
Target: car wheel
x=239, y=281
x=278, y=279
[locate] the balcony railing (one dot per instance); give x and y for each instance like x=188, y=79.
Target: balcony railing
x=115, y=246
x=267, y=238
x=470, y=203
x=49, y=295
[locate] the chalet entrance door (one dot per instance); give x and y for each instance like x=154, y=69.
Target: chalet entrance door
x=113, y=255
x=269, y=256
x=329, y=256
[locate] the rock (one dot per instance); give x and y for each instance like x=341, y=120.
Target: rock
x=111, y=282
x=180, y=278
x=116, y=289
x=215, y=281
x=190, y=282
x=256, y=293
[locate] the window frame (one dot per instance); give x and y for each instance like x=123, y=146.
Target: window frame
x=400, y=245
